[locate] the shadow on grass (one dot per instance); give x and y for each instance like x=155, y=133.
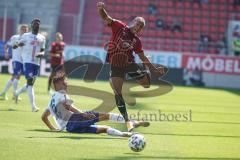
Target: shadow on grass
x=192, y=135
x=86, y=137
x=12, y=110
x=74, y=138
x=138, y=156
x=44, y=130
x=81, y=135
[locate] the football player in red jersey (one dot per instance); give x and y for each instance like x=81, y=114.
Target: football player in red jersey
x=56, y=56
x=124, y=41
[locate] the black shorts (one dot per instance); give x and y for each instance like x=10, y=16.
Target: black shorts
x=134, y=71
x=56, y=68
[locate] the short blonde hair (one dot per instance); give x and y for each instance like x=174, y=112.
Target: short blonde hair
x=24, y=25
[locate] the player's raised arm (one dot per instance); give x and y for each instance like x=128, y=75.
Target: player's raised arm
x=45, y=119
x=103, y=13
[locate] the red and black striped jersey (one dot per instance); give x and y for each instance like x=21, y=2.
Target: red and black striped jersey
x=122, y=45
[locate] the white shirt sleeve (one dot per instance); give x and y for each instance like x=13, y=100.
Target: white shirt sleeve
x=43, y=43
x=22, y=39
x=10, y=41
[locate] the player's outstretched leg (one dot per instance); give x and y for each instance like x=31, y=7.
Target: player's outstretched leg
x=31, y=95
x=19, y=91
x=120, y=119
x=112, y=131
x=116, y=84
x=79, y=124
x=15, y=85
x=3, y=94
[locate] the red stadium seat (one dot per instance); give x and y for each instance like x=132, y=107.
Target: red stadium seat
x=187, y=35
x=196, y=27
x=221, y=29
x=196, y=6
x=213, y=14
x=188, y=12
x=169, y=3
x=187, y=27
x=205, y=14
x=205, y=7
x=213, y=29
x=221, y=22
x=187, y=20
x=196, y=13
x=186, y=45
x=171, y=11
x=205, y=28
x=178, y=35
x=162, y=4
x=196, y=20
x=179, y=12
x=205, y=20
x=213, y=7
x=213, y=21
x=195, y=36
x=160, y=34
x=222, y=15
x=187, y=4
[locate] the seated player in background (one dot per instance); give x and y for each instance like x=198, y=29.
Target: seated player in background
x=17, y=63
x=76, y=121
x=56, y=56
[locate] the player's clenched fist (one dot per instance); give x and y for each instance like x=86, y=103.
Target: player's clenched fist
x=100, y=5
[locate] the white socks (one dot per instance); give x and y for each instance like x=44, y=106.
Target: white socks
x=7, y=86
x=114, y=132
x=15, y=84
x=31, y=96
x=21, y=90
x=116, y=117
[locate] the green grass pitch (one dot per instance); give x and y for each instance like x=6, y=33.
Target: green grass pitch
x=213, y=133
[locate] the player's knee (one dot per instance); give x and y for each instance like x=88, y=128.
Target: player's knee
x=119, y=100
x=30, y=81
x=103, y=116
x=16, y=77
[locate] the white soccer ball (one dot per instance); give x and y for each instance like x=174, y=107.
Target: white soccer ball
x=136, y=142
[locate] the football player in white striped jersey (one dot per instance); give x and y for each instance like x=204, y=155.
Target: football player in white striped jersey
x=17, y=63
x=33, y=46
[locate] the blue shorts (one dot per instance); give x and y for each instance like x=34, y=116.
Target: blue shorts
x=77, y=124
x=31, y=70
x=17, y=68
